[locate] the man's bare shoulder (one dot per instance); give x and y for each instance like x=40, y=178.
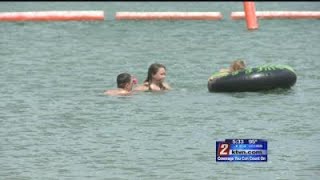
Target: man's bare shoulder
x=117, y=92
x=141, y=88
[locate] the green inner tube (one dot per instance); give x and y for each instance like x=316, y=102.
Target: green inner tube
x=253, y=79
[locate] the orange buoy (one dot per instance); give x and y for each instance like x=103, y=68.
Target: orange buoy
x=279, y=15
x=250, y=15
x=168, y=16
x=53, y=16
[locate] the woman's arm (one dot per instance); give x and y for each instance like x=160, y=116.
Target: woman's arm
x=224, y=70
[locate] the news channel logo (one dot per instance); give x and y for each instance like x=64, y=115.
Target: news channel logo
x=242, y=150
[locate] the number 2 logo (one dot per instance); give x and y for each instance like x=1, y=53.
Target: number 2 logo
x=223, y=149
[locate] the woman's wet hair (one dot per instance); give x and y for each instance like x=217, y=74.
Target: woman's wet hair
x=237, y=65
x=123, y=79
x=153, y=69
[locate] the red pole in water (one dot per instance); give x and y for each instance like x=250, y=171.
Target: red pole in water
x=250, y=14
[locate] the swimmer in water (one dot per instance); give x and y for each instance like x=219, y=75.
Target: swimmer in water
x=235, y=66
x=155, y=80
x=125, y=84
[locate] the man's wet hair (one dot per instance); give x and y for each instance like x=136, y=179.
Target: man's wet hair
x=123, y=79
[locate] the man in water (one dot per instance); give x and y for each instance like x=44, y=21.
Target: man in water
x=125, y=83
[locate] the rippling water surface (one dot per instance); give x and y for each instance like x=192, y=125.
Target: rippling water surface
x=57, y=124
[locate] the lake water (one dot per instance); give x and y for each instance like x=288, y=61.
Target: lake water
x=57, y=124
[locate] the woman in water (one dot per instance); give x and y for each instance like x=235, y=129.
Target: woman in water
x=235, y=66
x=155, y=79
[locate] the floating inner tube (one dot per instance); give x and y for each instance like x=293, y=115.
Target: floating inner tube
x=261, y=78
